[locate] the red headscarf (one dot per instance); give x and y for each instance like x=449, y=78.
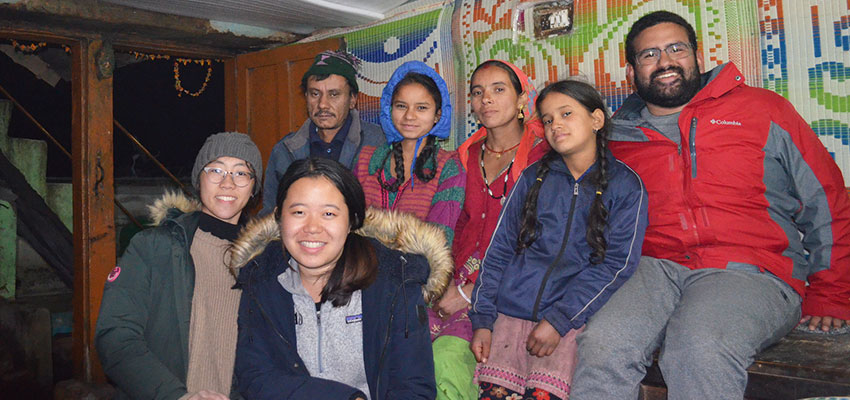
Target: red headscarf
x=532, y=132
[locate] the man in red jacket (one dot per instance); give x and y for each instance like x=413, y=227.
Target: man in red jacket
x=748, y=220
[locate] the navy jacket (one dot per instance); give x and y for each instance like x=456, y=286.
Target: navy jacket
x=553, y=279
x=397, y=347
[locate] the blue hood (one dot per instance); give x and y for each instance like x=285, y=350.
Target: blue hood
x=443, y=127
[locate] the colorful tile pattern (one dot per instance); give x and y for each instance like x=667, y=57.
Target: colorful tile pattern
x=799, y=49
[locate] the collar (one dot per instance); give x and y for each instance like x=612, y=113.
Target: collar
x=218, y=228
x=340, y=136
x=559, y=165
x=714, y=83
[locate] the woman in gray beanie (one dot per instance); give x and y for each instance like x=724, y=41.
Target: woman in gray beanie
x=167, y=324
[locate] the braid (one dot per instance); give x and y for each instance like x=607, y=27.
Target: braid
x=429, y=152
x=529, y=229
x=396, y=152
x=398, y=157
x=597, y=220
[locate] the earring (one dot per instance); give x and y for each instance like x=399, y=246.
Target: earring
x=520, y=116
x=477, y=121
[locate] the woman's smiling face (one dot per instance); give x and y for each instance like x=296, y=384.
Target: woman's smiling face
x=314, y=224
x=414, y=111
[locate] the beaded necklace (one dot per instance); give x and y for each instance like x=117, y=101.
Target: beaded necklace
x=484, y=175
x=498, y=153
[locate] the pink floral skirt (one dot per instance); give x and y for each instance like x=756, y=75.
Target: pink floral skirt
x=511, y=366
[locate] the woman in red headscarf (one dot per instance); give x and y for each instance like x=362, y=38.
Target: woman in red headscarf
x=510, y=138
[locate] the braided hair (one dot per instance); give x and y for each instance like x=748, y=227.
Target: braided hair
x=597, y=220
x=430, y=149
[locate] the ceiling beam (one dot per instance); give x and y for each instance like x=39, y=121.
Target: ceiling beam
x=127, y=28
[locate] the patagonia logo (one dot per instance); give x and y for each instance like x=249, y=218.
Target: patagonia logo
x=353, y=319
x=725, y=122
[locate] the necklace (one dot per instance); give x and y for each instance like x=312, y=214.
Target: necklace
x=497, y=153
x=484, y=175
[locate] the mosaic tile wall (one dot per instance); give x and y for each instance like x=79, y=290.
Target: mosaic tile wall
x=800, y=49
x=805, y=56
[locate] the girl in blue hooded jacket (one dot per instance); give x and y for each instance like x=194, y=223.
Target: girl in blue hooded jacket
x=411, y=173
x=569, y=235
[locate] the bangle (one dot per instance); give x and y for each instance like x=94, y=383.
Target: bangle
x=462, y=294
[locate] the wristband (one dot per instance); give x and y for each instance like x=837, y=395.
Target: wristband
x=462, y=294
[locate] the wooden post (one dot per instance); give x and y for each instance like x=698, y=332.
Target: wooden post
x=94, y=222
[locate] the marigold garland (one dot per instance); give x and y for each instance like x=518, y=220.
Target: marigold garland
x=151, y=57
x=28, y=48
x=178, y=85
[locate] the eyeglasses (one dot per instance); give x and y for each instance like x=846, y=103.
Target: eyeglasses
x=217, y=175
x=675, y=51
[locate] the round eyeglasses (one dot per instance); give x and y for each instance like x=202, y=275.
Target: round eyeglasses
x=675, y=51
x=217, y=175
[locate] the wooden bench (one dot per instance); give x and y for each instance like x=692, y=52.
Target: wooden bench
x=800, y=365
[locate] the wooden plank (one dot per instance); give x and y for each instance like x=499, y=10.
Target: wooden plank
x=94, y=222
x=799, y=365
x=38, y=224
x=132, y=27
x=230, y=110
x=652, y=393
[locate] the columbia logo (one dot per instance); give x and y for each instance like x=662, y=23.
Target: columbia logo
x=724, y=122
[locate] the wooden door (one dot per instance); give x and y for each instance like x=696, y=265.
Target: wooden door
x=262, y=91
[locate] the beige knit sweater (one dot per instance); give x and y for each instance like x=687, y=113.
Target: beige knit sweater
x=212, y=326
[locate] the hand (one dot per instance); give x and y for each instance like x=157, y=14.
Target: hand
x=543, y=339
x=824, y=323
x=205, y=395
x=452, y=302
x=480, y=344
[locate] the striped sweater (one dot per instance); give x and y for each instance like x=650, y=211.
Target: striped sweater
x=438, y=201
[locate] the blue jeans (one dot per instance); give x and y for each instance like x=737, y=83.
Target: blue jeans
x=709, y=323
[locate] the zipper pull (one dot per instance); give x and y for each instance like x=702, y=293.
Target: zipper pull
x=575, y=189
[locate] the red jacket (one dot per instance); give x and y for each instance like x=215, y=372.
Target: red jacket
x=751, y=183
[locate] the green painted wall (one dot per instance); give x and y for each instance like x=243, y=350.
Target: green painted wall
x=8, y=253
x=30, y=157
x=60, y=200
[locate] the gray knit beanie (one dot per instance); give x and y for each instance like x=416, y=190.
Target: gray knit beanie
x=228, y=144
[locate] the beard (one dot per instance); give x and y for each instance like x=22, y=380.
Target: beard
x=669, y=96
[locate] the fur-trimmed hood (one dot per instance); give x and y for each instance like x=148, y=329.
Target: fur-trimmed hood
x=398, y=231
x=170, y=203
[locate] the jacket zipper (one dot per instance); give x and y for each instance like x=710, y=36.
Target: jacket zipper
x=558, y=258
x=389, y=331
x=269, y=320
x=319, y=350
x=693, y=144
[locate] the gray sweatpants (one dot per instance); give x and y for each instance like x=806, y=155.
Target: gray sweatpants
x=710, y=323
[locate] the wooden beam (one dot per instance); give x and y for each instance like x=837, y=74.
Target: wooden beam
x=230, y=111
x=131, y=28
x=94, y=222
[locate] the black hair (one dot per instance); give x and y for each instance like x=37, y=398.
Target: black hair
x=511, y=76
x=431, y=148
x=650, y=20
x=357, y=266
x=320, y=77
x=597, y=219
x=426, y=82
